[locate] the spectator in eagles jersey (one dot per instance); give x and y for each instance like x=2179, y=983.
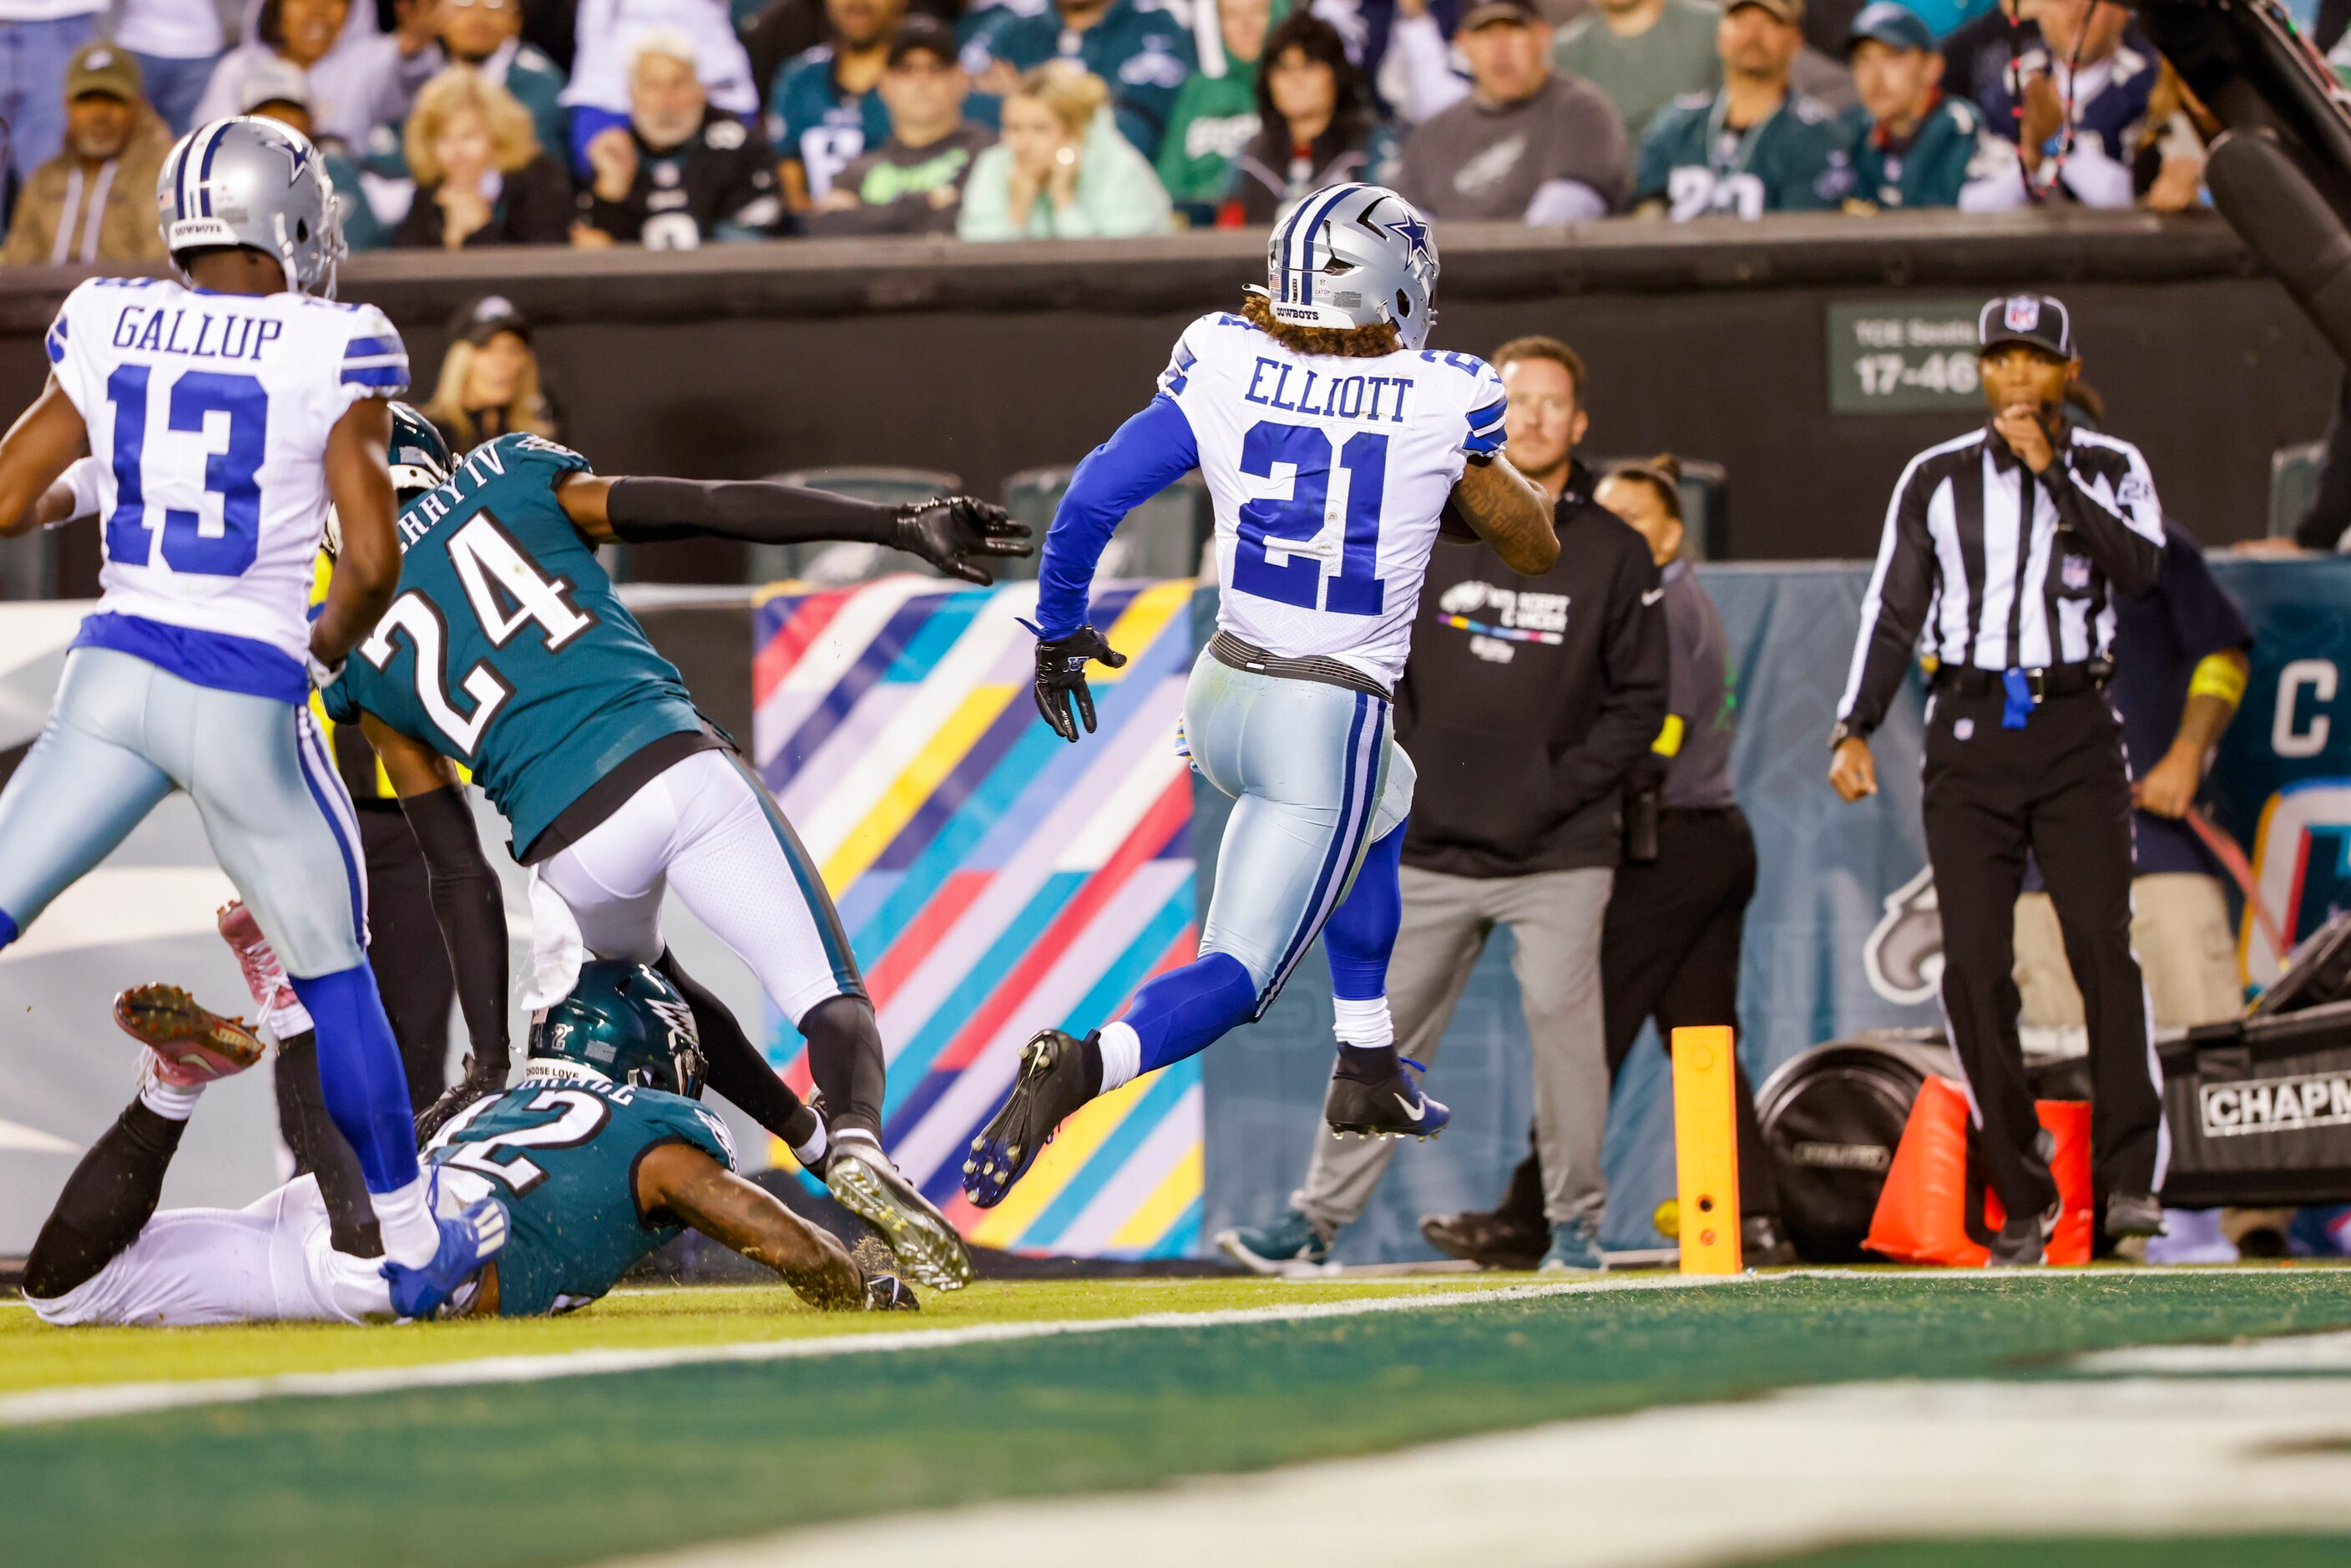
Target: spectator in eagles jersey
x=1526, y=143
x=1063, y=170
x=1758, y=146
x=1315, y=126
x=1913, y=147
x=683, y=169
x=1217, y=113
x=913, y=183
x=481, y=176
x=826, y=110
x=1143, y=55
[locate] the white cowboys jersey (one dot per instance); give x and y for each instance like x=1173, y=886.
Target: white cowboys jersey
x=1329, y=477
x=208, y=414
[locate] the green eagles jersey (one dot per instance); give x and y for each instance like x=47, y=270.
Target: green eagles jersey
x=559, y=1156
x=1145, y=57
x=811, y=118
x=1795, y=161
x=1214, y=117
x=508, y=649
x=1927, y=170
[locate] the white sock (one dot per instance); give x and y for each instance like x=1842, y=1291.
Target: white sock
x=287, y=1022
x=1122, y=1054
x=170, y=1101
x=1363, y=1025
x=809, y=1153
x=405, y=1219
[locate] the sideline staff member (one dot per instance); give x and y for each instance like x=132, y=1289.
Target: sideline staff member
x=2018, y=536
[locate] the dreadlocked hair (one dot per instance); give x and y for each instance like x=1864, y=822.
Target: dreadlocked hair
x=1342, y=342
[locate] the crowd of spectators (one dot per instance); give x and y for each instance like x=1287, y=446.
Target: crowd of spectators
x=673, y=123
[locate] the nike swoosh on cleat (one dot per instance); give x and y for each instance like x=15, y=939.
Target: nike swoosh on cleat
x=1413, y=1110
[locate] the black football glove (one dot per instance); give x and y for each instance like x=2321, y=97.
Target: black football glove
x=1061, y=676
x=951, y=531
x=477, y=1082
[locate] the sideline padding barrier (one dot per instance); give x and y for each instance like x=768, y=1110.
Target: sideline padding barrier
x=1705, y=1150
x=1937, y=1207
x=995, y=880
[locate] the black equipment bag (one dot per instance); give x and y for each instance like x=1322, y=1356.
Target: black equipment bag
x=2260, y=1110
x=2318, y=971
x=1831, y=1118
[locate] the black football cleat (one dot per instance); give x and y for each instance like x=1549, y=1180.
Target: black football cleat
x=2133, y=1214
x=1047, y=1090
x=2023, y=1243
x=864, y=1181
x=888, y=1293
x=1490, y=1240
x=1763, y=1245
x=1372, y=1096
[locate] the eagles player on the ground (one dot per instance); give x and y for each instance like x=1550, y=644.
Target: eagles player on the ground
x=599, y=1157
x=508, y=650
x=228, y=409
x=1332, y=446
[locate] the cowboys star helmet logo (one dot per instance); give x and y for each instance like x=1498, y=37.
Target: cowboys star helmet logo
x=1412, y=231
x=297, y=156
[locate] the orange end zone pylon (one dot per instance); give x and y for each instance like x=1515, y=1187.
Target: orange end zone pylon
x=1705, y=1151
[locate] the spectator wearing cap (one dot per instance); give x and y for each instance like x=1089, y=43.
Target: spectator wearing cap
x=1315, y=126
x=1063, y=170
x=683, y=169
x=826, y=108
x=482, y=178
x=1912, y=146
x=1524, y=144
x=603, y=89
x=38, y=40
x=176, y=42
x=913, y=183
x=1217, y=113
x=359, y=76
x=2089, y=55
x=95, y=201
x=489, y=381
x=276, y=90
x=1757, y=146
x=1643, y=54
x=1143, y=56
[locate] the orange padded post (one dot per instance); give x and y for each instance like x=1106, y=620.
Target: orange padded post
x=1705, y=1151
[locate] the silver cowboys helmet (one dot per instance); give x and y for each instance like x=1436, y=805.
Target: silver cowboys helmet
x=1352, y=256
x=254, y=182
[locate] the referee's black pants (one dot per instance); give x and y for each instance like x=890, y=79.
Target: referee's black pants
x=1670, y=954
x=2061, y=788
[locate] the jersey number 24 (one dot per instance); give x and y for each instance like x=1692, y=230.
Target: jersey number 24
x=494, y=572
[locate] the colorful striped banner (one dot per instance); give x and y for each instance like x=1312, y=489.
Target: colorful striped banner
x=995, y=880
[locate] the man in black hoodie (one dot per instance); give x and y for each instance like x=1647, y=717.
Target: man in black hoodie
x=1526, y=703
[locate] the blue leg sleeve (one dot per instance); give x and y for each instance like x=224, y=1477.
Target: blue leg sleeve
x=360, y=1070
x=8, y=932
x=1361, y=931
x=1183, y=1011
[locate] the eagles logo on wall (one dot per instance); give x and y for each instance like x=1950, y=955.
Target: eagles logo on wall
x=1904, y=955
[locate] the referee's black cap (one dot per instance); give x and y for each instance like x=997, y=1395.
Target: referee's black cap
x=2036, y=321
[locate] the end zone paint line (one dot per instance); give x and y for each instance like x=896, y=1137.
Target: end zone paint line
x=84, y=1403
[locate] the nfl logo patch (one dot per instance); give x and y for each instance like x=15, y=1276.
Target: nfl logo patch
x=2022, y=314
x=2076, y=571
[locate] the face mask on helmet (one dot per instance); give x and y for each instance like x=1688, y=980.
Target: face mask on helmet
x=622, y=1023
x=420, y=462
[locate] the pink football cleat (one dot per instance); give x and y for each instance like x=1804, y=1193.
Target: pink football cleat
x=264, y=976
x=192, y=1046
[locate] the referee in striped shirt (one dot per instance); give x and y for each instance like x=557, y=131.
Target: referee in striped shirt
x=2003, y=552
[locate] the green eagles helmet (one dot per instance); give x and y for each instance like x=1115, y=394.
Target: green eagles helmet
x=622, y=1023
x=419, y=459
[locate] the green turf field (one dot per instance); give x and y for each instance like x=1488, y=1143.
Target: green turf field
x=581, y=1468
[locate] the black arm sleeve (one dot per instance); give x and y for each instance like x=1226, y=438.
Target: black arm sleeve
x=648, y=511
x=1899, y=589
x=1634, y=661
x=2125, y=536
x=471, y=912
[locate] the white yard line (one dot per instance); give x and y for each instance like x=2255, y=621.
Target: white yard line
x=1698, y=1484
x=84, y=1402
x=2328, y=1352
